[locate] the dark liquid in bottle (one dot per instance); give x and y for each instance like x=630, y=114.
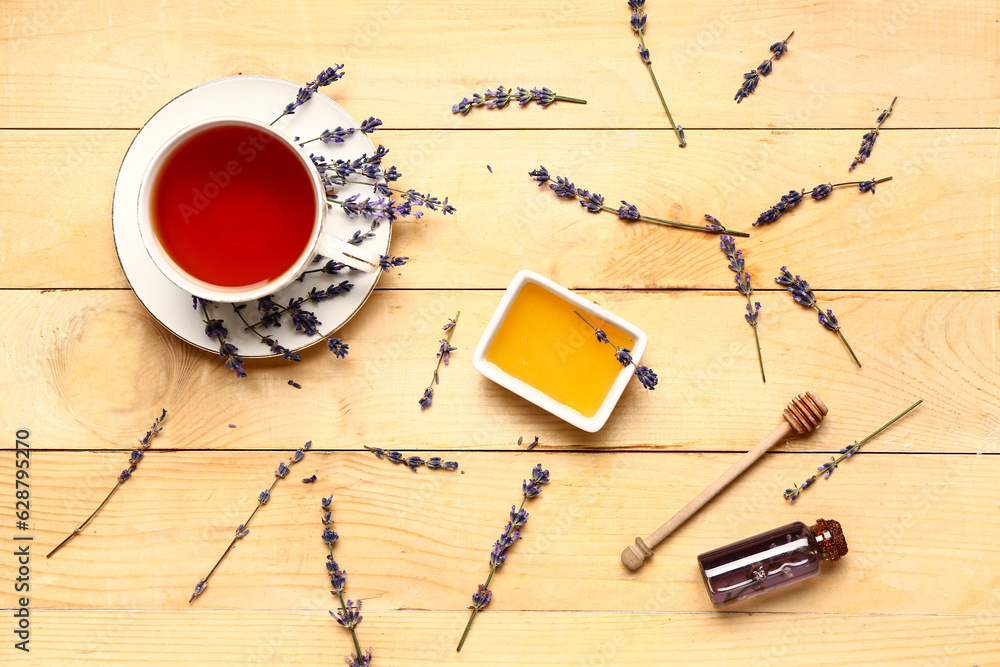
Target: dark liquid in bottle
x=760, y=563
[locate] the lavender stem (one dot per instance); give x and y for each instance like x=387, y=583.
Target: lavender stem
x=81, y=526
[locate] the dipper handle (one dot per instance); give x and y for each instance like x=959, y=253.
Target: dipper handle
x=802, y=415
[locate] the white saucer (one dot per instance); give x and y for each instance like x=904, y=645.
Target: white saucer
x=262, y=98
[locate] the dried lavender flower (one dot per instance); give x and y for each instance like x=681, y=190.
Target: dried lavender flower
x=324, y=78
x=646, y=376
x=244, y=528
x=752, y=78
x=637, y=20
x=134, y=458
x=412, y=462
x=511, y=533
x=501, y=97
x=868, y=140
x=594, y=203
x=295, y=384
x=349, y=614
x=847, y=452
x=743, y=286
x=443, y=355
x=789, y=201
x=803, y=295
x=339, y=134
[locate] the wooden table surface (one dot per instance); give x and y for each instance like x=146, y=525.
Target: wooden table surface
x=913, y=273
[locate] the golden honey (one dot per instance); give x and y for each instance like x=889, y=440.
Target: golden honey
x=543, y=343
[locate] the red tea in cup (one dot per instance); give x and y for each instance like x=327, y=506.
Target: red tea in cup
x=233, y=207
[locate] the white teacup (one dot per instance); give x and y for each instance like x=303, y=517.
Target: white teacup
x=321, y=240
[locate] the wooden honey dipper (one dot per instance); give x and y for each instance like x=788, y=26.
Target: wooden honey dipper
x=802, y=415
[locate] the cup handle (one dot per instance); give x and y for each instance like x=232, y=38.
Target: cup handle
x=355, y=256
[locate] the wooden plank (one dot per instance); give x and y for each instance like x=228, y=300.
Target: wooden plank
x=66, y=65
x=103, y=369
x=926, y=229
x=402, y=638
x=920, y=528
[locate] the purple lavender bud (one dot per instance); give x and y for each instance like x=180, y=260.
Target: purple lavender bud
x=593, y=202
x=541, y=175
x=750, y=81
x=646, y=376
x=524, y=96
x=628, y=211
x=370, y=125
x=539, y=476
x=563, y=187
x=338, y=347
x=498, y=555
x=481, y=598
x=530, y=490
x=325, y=502
x=779, y=49
x=752, y=313
x=264, y=496
x=764, y=68
x=601, y=336
x=241, y=532
x=867, y=186
x=281, y=471
x=624, y=356
x=714, y=224
x=352, y=617
x=330, y=536
x=829, y=321
x=426, y=400
x=543, y=96
x=518, y=517
x=644, y=54
x=338, y=581
x=199, y=589
x=821, y=191
x=125, y=474
x=638, y=21
x=463, y=107
x=445, y=350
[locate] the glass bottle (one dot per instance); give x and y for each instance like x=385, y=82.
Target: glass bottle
x=770, y=560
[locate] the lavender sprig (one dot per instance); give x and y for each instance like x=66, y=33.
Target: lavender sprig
x=303, y=320
x=349, y=614
x=752, y=78
x=339, y=135
x=270, y=341
x=443, y=355
x=216, y=329
x=511, y=533
x=624, y=356
x=804, y=296
x=134, y=458
x=324, y=78
x=412, y=462
x=502, y=97
x=531, y=445
x=244, y=528
x=847, y=452
x=638, y=22
x=743, y=286
x=868, y=140
x=822, y=191
x=594, y=203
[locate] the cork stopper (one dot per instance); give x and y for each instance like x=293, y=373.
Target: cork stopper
x=830, y=539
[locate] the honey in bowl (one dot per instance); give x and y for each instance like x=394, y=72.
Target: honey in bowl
x=545, y=344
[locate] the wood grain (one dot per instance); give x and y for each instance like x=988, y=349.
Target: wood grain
x=103, y=369
x=564, y=638
x=933, y=226
x=921, y=537
x=409, y=62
